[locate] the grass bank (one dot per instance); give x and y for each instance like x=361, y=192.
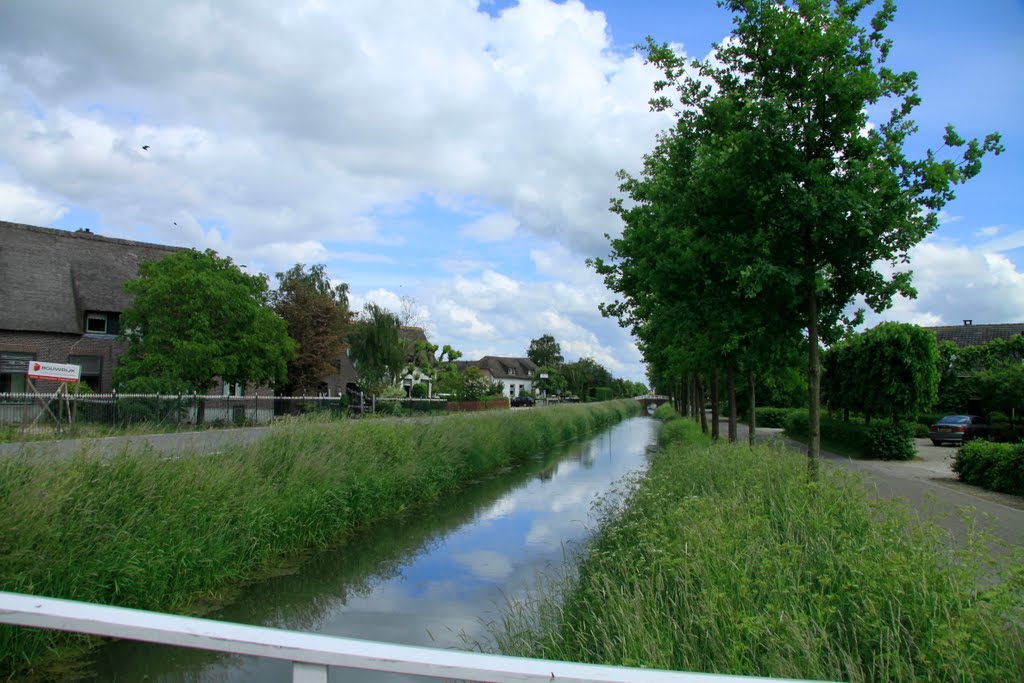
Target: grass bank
x=142, y=530
x=725, y=559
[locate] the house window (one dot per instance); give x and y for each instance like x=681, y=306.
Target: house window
x=92, y=370
x=13, y=370
x=232, y=389
x=100, y=322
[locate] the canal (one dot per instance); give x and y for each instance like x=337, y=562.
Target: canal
x=435, y=577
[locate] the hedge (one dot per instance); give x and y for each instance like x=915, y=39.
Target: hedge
x=994, y=466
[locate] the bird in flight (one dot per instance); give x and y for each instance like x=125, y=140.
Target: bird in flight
x=145, y=147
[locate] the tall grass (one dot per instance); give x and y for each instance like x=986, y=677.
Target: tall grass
x=147, y=531
x=725, y=559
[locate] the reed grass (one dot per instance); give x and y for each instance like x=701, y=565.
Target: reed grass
x=724, y=559
x=149, y=531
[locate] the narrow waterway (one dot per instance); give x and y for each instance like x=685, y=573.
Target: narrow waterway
x=433, y=578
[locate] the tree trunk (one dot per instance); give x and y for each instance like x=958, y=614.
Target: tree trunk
x=752, y=431
x=714, y=405
x=701, y=416
x=731, y=379
x=813, y=382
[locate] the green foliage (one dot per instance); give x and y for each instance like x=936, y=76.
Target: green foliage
x=554, y=384
x=763, y=211
x=376, y=348
x=545, y=352
x=993, y=371
x=317, y=316
x=603, y=393
x=890, y=441
x=994, y=466
x=475, y=385
x=772, y=417
x=147, y=531
x=666, y=413
x=427, y=363
x=195, y=317
x=584, y=375
x=727, y=560
x=888, y=370
x=881, y=440
x=419, y=391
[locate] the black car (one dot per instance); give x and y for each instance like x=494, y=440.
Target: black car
x=959, y=429
x=523, y=402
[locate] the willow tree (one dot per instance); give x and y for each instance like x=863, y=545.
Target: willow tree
x=815, y=194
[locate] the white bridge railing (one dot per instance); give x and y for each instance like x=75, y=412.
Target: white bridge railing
x=311, y=653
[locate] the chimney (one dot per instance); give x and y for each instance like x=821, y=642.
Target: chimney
x=968, y=322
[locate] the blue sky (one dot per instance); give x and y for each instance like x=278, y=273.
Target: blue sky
x=457, y=153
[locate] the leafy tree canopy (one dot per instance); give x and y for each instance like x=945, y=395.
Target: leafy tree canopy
x=376, y=348
x=545, y=352
x=196, y=316
x=317, y=316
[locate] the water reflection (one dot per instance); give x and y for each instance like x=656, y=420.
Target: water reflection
x=430, y=578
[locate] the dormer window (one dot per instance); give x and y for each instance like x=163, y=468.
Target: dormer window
x=101, y=322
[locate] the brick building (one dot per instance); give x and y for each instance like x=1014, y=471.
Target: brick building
x=61, y=298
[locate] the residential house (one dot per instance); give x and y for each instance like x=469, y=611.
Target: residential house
x=970, y=334
x=61, y=298
x=516, y=375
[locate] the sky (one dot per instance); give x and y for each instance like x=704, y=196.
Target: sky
x=457, y=153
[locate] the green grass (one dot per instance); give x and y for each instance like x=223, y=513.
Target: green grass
x=145, y=531
x=727, y=560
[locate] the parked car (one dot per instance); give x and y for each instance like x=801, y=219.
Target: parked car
x=959, y=429
x=523, y=402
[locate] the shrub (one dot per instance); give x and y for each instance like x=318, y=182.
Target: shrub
x=772, y=417
x=419, y=391
x=665, y=412
x=994, y=466
x=920, y=431
x=797, y=424
x=889, y=441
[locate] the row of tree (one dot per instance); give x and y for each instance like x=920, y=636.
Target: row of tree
x=197, y=316
x=762, y=213
x=584, y=378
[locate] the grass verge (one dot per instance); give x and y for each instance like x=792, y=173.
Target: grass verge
x=725, y=559
x=146, y=531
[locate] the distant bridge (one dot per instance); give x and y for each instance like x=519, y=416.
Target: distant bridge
x=650, y=402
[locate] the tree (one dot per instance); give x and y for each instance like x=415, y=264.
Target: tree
x=776, y=172
x=317, y=316
x=376, y=348
x=585, y=375
x=545, y=352
x=196, y=317
x=553, y=384
x=430, y=364
x=890, y=370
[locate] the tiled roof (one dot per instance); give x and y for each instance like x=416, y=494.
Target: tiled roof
x=975, y=335
x=501, y=367
x=49, y=278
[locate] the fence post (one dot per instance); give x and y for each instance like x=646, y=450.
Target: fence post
x=114, y=417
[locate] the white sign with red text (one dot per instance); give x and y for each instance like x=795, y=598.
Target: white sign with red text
x=61, y=372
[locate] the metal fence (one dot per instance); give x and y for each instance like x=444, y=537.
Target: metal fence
x=26, y=410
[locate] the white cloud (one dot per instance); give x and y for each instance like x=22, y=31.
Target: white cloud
x=1007, y=242
x=491, y=228
x=20, y=204
x=955, y=283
